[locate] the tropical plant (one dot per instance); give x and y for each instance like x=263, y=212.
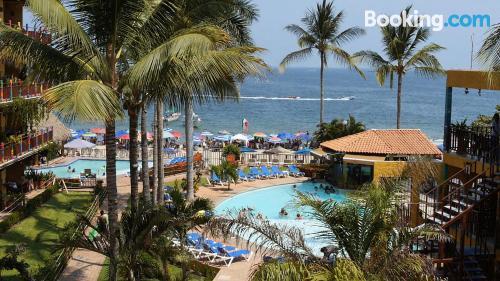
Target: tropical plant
x=489, y=54
x=26, y=113
x=401, y=49
x=11, y=262
x=338, y=128
x=231, y=149
x=227, y=172
x=366, y=228
x=321, y=33
x=483, y=121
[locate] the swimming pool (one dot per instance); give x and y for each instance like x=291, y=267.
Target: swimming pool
x=97, y=166
x=269, y=201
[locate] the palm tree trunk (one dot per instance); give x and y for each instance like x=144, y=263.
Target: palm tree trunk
x=155, y=156
x=400, y=87
x=112, y=194
x=133, y=151
x=166, y=273
x=144, y=155
x=189, y=149
x=161, y=171
x=321, y=89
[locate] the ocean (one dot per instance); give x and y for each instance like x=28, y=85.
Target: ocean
x=266, y=103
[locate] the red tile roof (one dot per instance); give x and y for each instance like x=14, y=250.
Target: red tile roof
x=399, y=142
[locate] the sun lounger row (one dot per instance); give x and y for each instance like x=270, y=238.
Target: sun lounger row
x=214, y=252
x=265, y=173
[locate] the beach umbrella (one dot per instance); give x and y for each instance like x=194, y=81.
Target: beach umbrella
x=285, y=136
x=89, y=135
x=169, y=150
x=241, y=137
x=168, y=135
x=224, y=132
x=125, y=137
x=246, y=150
x=79, y=144
x=223, y=138
x=260, y=135
x=176, y=134
x=120, y=133
x=304, y=151
x=274, y=140
x=206, y=134
x=278, y=150
x=168, y=129
x=100, y=131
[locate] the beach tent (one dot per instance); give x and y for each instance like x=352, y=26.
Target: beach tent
x=278, y=150
x=79, y=144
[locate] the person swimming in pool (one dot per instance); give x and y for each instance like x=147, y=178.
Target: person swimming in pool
x=299, y=217
x=69, y=169
x=283, y=212
x=294, y=186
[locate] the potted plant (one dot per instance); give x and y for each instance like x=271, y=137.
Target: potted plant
x=462, y=135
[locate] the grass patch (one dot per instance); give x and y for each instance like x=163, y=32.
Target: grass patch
x=174, y=271
x=39, y=232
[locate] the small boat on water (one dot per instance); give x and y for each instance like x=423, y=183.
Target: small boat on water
x=346, y=98
x=294, y=97
x=171, y=117
x=196, y=120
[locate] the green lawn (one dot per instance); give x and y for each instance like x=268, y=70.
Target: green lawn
x=40, y=231
x=174, y=271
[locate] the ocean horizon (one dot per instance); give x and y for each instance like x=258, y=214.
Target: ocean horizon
x=289, y=102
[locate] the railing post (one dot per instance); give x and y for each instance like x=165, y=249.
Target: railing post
x=11, y=89
x=1, y=90
x=447, y=118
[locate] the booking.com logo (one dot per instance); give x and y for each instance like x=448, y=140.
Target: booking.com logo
x=436, y=22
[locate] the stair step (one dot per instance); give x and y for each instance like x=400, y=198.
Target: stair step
x=437, y=220
x=461, y=203
x=477, y=277
x=452, y=209
x=473, y=199
x=479, y=192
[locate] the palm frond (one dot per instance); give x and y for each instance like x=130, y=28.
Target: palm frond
x=489, y=53
x=87, y=100
x=280, y=271
x=346, y=59
x=295, y=57
x=348, y=35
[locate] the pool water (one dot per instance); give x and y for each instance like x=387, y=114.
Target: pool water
x=97, y=166
x=269, y=201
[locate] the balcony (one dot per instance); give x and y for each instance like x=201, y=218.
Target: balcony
x=476, y=143
x=40, y=34
x=15, y=88
x=27, y=145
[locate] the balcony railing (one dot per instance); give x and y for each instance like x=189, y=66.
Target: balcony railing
x=41, y=34
x=16, y=88
x=27, y=143
x=477, y=142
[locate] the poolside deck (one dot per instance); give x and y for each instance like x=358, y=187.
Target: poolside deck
x=85, y=265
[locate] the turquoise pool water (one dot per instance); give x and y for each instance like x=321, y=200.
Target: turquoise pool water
x=97, y=166
x=269, y=201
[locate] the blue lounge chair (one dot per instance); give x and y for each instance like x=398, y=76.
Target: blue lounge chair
x=214, y=179
x=225, y=256
x=265, y=172
x=275, y=170
x=244, y=177
x=254, y=172
x=294, y=171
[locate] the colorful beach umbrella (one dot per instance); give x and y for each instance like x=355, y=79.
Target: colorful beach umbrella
x=168, y=135
x=89, y=135
x=224, y=132
x=176, y=134
x=125, y=137
x=223, y=138
x=285, y=136
x=304, y=151
x=206, y=134
x=120, y=133
x=79, y=144
x=246, y=150
x=260, y=135
x=99, y=131
x=274, y=140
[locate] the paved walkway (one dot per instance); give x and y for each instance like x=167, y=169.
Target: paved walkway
x=86, y=266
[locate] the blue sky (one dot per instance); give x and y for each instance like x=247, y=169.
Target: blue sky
x=269, y=31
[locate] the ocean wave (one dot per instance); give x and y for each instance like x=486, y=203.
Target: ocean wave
x=296, y=98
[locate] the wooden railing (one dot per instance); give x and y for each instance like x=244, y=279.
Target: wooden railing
x=476, y=142
x=10, y=151
x=16, y=88
x=41, y=34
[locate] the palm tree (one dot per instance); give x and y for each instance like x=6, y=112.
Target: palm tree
x=489, y=54
x=321, y=33
x=146, y=189
x=338, y=128
x=227, y=172
x=366, y=229
x=400, y=47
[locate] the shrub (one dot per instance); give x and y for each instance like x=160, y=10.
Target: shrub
x=11, y=220
x=231, y=149
x=314, y=170
x=346, y=270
